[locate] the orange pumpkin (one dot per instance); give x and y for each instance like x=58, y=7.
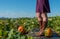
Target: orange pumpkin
x=48, y=32
x=21, y=29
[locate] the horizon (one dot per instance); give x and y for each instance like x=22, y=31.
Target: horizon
x=25, y=8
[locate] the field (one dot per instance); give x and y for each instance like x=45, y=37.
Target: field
x=8, y=26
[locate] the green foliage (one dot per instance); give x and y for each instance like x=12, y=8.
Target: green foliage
x=8, y=26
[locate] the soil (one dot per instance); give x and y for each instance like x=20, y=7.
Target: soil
x=54, y=36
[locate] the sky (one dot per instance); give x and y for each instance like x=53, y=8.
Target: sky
x=25, y=8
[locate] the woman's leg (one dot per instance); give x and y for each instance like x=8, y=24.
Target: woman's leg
x=44, y=16
x=45, y=21
x=40, y=20
x=38, y=15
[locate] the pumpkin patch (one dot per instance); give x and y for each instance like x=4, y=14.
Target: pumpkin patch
x=7, y=24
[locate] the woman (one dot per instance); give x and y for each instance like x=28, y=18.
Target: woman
x=42, y=8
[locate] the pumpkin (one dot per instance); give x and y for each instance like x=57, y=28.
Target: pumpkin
x=21, y=29
x=48, y=32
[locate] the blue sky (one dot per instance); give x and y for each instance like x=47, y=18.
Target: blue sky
x=25, y=8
